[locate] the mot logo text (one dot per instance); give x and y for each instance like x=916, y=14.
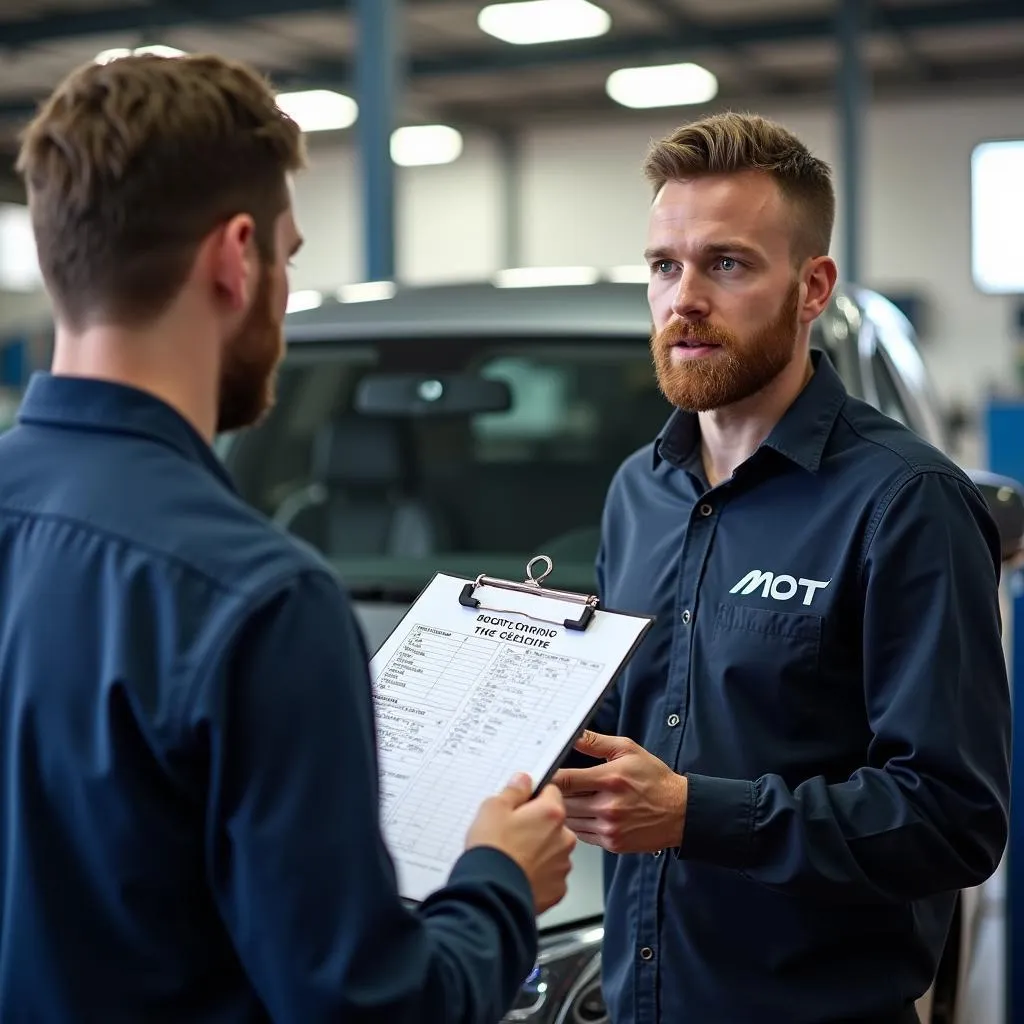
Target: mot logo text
x=780, y=587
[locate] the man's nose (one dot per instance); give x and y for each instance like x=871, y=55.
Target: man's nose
x=690, y=301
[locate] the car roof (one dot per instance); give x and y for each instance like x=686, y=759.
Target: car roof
x=604, y=309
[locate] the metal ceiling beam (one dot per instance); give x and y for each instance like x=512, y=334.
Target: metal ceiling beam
x=986, y=78
x=685, y=24
x=161, y=15
x=977, y=78
x=641, y=46
x=165, y=14
x=635, y=47
x=923, y=66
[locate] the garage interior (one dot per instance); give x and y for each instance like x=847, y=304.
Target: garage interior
x=454, y=146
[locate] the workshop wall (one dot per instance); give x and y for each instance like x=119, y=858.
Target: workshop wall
x=583, y=201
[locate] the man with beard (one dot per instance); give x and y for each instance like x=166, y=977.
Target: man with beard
x=808, y=756
x=189, y=822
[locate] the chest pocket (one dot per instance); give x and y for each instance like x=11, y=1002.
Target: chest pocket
x=769, y=661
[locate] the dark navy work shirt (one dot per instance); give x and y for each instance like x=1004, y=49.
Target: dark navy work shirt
x=827, y=670
x=188, y=778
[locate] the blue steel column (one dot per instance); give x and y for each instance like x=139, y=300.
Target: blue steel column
x=377, y=85
x=852, y=89
x=1003, y=427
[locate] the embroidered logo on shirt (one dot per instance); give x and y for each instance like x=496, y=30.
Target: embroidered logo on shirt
x=781, y=587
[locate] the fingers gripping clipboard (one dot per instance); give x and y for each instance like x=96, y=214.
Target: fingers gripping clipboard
x=482, y=679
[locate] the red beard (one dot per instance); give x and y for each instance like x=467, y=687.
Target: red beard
x=735, y=370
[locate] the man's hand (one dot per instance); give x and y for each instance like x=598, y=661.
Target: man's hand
x=532, y=833
x=632, y=804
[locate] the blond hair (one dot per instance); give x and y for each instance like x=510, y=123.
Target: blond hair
x=729, y=143
x=129, y=165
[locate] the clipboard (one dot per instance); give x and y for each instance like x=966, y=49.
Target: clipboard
x=483, y=678
x=533, y=585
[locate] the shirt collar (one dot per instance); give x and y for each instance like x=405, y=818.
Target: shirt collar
x=800, y=436
x=86, y=403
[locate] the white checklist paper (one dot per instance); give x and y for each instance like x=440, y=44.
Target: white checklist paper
x=466, y=697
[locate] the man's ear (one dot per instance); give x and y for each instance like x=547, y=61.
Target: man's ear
x=820, y=275
x=233, y=262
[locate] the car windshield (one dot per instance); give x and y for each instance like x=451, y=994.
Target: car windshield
x=392, y=498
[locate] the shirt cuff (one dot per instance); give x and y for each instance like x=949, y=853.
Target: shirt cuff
x=719, y=823
x=492, y=867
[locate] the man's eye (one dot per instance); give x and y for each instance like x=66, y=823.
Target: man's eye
x=727, y=263
x=663, y=267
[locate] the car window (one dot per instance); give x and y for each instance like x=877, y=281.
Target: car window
x=392, y=499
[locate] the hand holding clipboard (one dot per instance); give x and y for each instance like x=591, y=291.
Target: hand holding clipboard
x=481, y=680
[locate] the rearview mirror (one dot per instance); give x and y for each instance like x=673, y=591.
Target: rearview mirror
x=1005, y=497
x=418, y=394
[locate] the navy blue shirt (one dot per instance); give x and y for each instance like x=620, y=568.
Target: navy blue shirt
x=188, y=776
x=827, y=670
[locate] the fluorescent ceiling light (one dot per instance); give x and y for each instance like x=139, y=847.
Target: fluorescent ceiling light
x=666, y=85
x=632, y=274
x=156, y=50
x=300, y=301
x=367, y=291
x=319, y=110
x=543, y=277
x=543, y=21
x=425, y=144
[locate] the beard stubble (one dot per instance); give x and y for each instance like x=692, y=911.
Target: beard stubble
x=249, y=368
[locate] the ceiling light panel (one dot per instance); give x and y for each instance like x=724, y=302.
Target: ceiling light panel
x=665, y=85
x=425, y=144
x=530, y=22
x=319, y=110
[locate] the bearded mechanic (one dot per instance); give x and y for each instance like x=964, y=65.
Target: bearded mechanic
x=808, y=755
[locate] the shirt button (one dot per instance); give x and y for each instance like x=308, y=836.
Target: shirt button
x=673, y=721
x=686, y=617
x=657, y=854
x=647, y=953
x=706, y=510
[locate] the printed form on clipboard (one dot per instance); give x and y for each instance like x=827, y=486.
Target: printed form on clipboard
x=482, y=679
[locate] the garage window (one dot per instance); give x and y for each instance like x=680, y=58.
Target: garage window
x=997, y=216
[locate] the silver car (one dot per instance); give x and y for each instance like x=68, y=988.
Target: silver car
x=466, y=429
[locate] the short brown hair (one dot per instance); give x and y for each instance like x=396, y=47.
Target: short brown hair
x=732, y=142
x=129, y=165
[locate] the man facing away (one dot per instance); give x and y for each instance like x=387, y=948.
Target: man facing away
x=808, y=756
x=188, y=791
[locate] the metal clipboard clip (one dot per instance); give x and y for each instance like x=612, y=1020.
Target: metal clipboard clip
x=532, y=585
